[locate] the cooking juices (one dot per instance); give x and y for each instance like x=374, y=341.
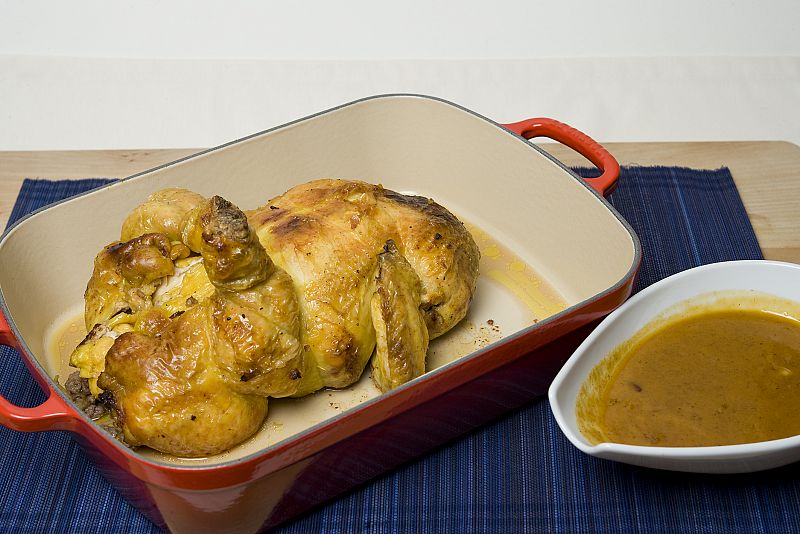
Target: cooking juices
x=510, y=296
x=717, y=374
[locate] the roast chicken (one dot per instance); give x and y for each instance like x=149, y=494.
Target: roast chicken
x=201, y=311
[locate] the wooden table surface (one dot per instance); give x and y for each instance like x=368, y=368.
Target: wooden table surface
x=767, y=174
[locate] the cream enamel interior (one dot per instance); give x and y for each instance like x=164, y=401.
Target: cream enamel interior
x=412, y=144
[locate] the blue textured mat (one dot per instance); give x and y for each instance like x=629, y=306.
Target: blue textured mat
x=518, y=474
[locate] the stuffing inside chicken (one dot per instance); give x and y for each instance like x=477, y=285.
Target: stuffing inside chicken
x=201, y=311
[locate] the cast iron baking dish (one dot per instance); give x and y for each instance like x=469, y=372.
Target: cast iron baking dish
x=529, y=214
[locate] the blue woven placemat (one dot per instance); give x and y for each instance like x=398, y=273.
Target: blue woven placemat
x=518, y=474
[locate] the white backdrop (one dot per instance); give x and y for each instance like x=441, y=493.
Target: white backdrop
x=98, y=74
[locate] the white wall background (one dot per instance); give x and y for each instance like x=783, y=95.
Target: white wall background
x=147, y=74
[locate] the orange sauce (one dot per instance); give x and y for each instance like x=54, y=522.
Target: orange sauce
x=710, y=376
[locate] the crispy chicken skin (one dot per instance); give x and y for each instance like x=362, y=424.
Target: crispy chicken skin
x=205, y=311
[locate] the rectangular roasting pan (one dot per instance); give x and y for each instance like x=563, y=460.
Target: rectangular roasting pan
x=486, y=173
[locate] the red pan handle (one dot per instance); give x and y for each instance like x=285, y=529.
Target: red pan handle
x=577, y=141
x=52, y=414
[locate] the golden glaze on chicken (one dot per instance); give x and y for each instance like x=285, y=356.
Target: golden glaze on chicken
x=204, y=311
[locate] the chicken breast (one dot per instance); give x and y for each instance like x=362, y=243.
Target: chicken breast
x=213, y=310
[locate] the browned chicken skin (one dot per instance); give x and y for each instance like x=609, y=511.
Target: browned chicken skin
x=281, y=301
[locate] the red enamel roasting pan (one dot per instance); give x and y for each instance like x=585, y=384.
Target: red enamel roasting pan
x=556, y=258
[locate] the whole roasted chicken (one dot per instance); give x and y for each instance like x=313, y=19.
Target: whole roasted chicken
x=201, y=311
